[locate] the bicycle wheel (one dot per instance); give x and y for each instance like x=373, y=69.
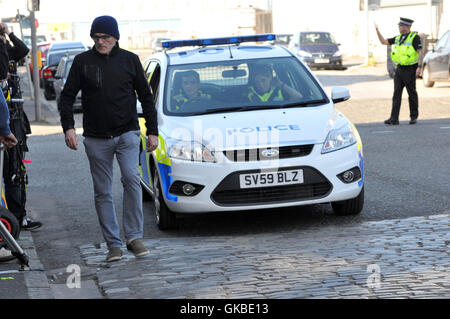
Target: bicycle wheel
x=10, y=221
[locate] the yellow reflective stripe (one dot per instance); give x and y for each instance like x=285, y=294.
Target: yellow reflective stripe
x=4, y=199
x=161, y=152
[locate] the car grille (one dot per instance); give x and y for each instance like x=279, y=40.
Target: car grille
x=257, y=154
x=228, y=193
x=322, y=55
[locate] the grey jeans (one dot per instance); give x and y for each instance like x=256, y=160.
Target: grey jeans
x=100, y=153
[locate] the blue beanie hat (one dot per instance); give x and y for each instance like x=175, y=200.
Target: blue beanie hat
x=107, y=25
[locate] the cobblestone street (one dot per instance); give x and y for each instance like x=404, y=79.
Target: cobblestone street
x=400, y=258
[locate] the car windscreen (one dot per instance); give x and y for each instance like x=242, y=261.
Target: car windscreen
x=316, y=38
x=243, y=85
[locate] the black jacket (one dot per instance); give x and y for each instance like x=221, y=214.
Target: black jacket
x=108, y=85
x=3, y=61
x=18, y=50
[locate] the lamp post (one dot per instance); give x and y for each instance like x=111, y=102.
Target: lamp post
x=33, y=5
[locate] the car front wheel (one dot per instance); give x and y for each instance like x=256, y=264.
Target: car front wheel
x=165, y=218
x=349, y=207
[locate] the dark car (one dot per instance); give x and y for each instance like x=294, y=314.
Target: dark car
x=317, y=49
x=60, y=78
x=436, y=63
x=55, y=53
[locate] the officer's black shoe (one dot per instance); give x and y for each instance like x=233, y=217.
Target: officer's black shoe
x=413, y=121
x=391, y=122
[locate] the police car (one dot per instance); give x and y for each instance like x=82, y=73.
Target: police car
x=245, y=126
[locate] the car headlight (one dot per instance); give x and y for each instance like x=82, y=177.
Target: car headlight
x=304, y=53
x=190, y=151
x=337, y=53
x=338, y=139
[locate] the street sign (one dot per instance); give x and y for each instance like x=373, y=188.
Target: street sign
x=33, y=5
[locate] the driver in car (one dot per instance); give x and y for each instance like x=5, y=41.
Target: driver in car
x=190, y=90
x=265, y=88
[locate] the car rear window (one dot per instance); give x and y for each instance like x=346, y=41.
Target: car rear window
x=55, y=57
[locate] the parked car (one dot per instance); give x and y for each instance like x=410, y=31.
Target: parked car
x=252, y=150
x=283, y=39
x=317, y=49
x=436, y=63
x=60, y=78
x=39, y=39
x=55, y=53
x=43, y=48
x=156, y=44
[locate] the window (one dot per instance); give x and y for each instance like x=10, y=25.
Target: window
x=61, y=68
x=196, y=89
x=153, y=75
x=442, y=42
x=316, y=37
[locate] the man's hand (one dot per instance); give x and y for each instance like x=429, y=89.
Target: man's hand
x=418, y=71
x=9, y=140
x=71, y=139
x=4, y=28
x=152, y=143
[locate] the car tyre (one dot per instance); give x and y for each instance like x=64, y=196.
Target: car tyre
x=426, y=77
x=165, y=218
x=349, y=207
x=49, y=96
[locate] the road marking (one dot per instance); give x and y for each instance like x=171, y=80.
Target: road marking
x=444, y=127
x=382, y=132
x=9, y=272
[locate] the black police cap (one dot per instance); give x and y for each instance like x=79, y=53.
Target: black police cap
x=405, y=21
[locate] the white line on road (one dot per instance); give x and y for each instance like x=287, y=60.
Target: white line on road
x=444, y=127
x=382, y=132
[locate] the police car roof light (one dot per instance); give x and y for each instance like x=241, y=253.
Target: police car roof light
x=217, y=41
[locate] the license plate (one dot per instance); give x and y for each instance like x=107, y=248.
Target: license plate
x=321, y=61
x=271, y=178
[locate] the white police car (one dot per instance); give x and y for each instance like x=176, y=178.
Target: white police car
x=246, y=127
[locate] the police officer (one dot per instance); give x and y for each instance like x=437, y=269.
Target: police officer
x=264, y=87
x=405, y=54
x=190, y=90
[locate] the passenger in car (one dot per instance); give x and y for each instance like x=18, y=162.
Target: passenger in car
x=263, y=87
x=189, y=91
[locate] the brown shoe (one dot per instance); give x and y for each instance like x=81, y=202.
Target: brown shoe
x=136, y=246
x=114, y=254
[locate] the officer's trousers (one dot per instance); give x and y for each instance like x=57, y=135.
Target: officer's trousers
x=405, y=76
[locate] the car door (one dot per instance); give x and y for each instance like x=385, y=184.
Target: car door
x=440, y=61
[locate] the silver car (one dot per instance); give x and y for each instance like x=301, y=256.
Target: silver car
x=62, y=72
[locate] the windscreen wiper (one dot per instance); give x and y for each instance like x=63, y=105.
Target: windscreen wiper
x=305, y=103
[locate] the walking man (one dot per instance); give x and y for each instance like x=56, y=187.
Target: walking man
x=405, y=54
x=109, y=78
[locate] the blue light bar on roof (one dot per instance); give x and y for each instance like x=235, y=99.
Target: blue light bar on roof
x=216, y=41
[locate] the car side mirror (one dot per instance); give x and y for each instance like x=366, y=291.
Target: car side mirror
x=339, y=94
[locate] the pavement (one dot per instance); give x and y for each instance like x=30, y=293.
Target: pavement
x=397, y=258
